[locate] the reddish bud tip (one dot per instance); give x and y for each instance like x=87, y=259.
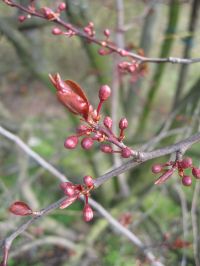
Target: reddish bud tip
x=156, y=168
x=56, y=31
x=22, y=18
x=104, y=92
x=107, y=122
x=106, y=148
x=88, y=181
x=126, y=153
x=106, y=32
x=62, y=6
x=87, y=143
x=20, y=208
x=187, y=180
x=196, y=172
x=186, y=163
x=123, y=123
x=87, y=213
x=71, y=142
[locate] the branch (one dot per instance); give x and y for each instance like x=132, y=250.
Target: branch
x=8, y=241
x=112, y=47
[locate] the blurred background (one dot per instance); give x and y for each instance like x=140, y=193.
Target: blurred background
x=160, y=100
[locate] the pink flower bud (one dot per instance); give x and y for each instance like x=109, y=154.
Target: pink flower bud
x=126, y=153
x=196, y=172
x=88, y=180
x=22, y=18
x=87, y=143
x=62, y=6
x=187, y=180
x=104, y=92
x=123, y=123
x=106, y=148
x=107, y=122
x=56, y=31
x=87, y=213
x=71, y=142
x=107, y=33
x=186, y=163
x=156, y=168
x=20, y=208
x=123, y=52
x=91, y=24
x=68, y=188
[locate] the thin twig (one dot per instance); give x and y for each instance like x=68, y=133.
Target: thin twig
x=111, y=47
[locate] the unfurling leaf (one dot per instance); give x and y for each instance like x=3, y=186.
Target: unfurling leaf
x=71, y=95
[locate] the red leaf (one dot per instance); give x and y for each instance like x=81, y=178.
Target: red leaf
x=20, y=208
x=71, y=95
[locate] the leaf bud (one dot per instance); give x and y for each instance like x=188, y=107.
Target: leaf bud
x=20, y=208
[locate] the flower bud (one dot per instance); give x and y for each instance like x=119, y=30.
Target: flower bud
x=186, y=163
x=106, y=32
x=196, y=172
x=126, y=153
x=22, y=18
x=106, y=148
x=156, y=168
x=56, y=31
x=71, y=142
x=187, y=180
x=62, y=6
x=123, y=123
x=88, y=181
x=87, y=213
x=87, y=143
x=68, y=188
x=104, y=92
x=20, y=208
x=107, y=122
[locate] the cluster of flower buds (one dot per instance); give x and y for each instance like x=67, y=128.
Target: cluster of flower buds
x=73, y=97
x=58, y=31
x=52, y=15
x=167, y=169
x=89, y=29
x=129, y=67
x=74, y=191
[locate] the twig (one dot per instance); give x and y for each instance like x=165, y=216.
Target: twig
x=111, y=47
